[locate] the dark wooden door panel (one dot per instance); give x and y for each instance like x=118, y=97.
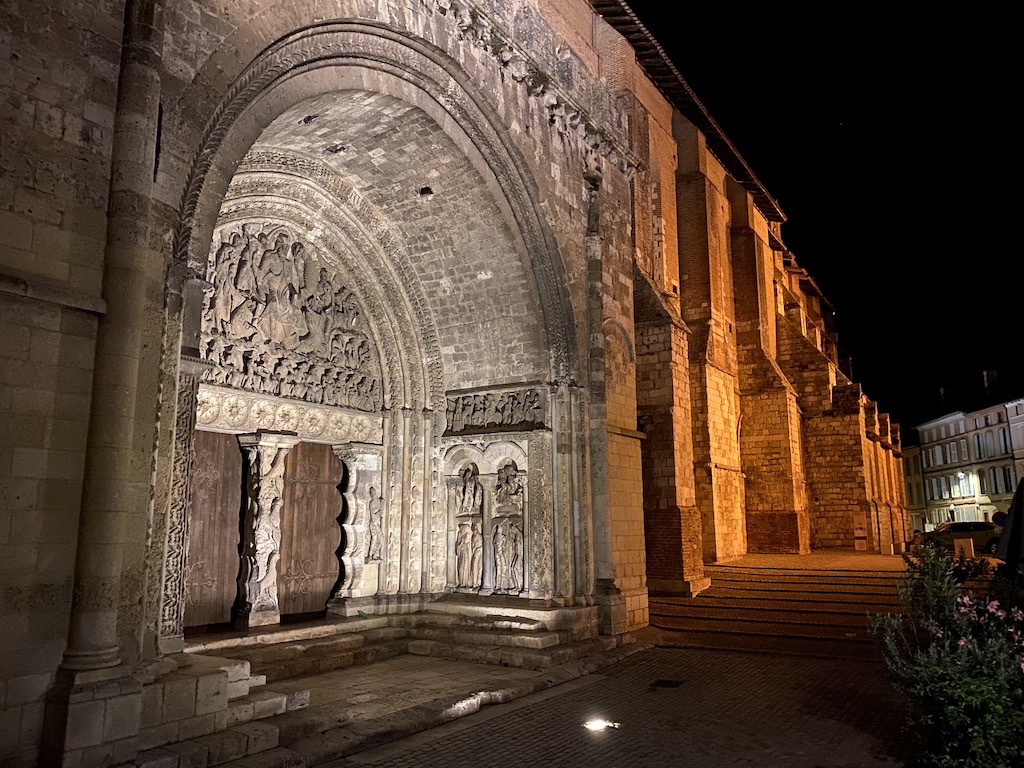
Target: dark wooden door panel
x=310, y=535
x=211, y=568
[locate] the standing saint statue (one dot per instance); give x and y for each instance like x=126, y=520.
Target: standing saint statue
x=470, y=494
x=464, y=555
x=477, y=558
x=376, y=527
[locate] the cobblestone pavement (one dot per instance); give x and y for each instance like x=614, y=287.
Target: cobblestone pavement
x=678, y=708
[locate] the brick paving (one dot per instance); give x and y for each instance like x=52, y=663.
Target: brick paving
x=725, y=709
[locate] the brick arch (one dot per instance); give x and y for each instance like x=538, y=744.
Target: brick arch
x=362, y=56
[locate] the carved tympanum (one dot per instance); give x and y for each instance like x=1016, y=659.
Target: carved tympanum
x=278, y=322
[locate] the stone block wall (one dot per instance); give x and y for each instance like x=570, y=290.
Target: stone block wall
x=46, y=355
x=772, y=442
x=59, y=63
x=672, y=526
x=769, y=428
x=837, y=464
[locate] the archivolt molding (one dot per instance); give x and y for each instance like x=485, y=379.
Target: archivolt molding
x=451, y=101
x=566, y=117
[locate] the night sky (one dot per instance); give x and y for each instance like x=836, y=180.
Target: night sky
x=888, y=143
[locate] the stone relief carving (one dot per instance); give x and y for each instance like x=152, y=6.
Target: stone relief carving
x=277, y=323
x=490, y=513
x=469, y=540
x=508, y=555
x=375, y=515
x=564, y=115
x=469, y=546
x=225, y=410
x=496, y=410
x=172, y=606
x=259, y=194
x=470, y=493
x=508, y=490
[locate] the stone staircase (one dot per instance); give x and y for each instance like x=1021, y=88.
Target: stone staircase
x=779, y=610
x=487, y=630
x=201, y=709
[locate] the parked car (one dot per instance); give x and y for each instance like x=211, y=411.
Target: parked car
x=984, y=535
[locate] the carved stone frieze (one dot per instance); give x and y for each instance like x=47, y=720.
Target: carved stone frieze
x=227, y=410
x=491, y=411
x=278, y=322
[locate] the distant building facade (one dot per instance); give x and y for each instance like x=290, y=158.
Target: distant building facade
x=966, y=466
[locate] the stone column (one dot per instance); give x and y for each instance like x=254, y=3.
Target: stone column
x=256, y=604
x=79, y=724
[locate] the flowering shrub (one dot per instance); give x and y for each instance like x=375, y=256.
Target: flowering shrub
x=958, y=654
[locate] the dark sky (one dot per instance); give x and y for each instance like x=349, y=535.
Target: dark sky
x=888, y=143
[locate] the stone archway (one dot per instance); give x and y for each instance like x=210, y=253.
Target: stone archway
x=423, y=245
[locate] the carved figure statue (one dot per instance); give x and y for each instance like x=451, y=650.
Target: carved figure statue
x=464, y=555
x=515, y=557
x=470, y=493
x=501, y=560
x=477, y=557
x=375, y=525
x=508, y=556
x=508, y=491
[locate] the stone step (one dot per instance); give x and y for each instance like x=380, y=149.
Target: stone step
x=264, y=703
x=791, y=601
x=802, y=574
x=710, y=610
x=459, y=636
x=239, y=741
x=287, y=650
x=818, y=592
x=228, y=643
x=787, y=627
x=325, y=657
x=498, y=622
x=509, y=656
x=832, y=648
x=793, y=596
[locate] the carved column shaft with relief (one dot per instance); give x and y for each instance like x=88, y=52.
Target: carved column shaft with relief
x=172, y=600
x=362, y=524
x=257, y=601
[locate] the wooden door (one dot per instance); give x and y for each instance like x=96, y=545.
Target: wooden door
x=211, y=568
x=308, y=568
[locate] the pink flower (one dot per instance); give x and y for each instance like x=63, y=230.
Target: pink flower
x=962, y=643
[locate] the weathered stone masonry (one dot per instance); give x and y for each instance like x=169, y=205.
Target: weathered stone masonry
x=406, y=249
